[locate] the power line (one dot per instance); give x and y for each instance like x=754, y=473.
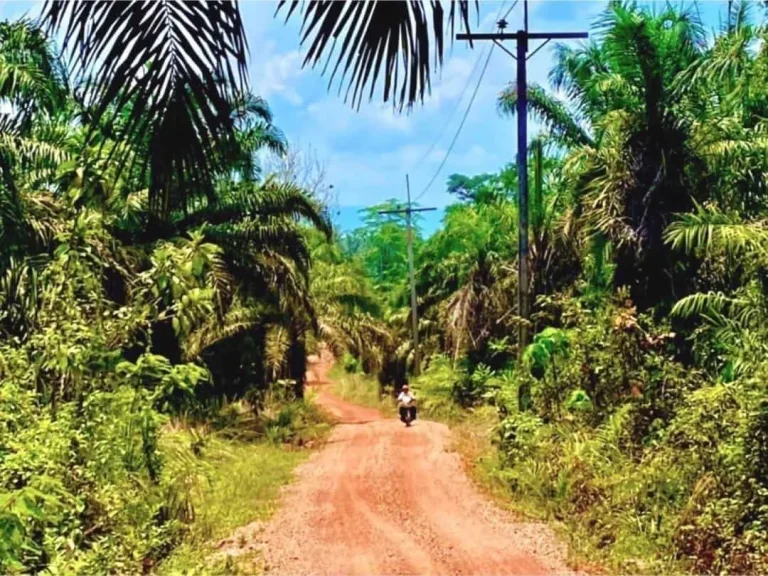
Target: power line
x=461, y=96
x=510, y=10
x=458, y=132
x=408, y=211
x=522, y=38
x=453, y=113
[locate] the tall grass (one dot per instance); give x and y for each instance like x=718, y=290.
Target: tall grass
x=236, y=478
x=361, y=389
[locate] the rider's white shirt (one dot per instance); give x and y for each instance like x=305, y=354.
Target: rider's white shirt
x=405, y=398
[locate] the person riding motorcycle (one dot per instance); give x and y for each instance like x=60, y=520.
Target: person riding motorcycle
x=406, y=400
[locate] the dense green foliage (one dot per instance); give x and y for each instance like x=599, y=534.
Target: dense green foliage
x=637, y=415
x=132, y=303
x=147, y=289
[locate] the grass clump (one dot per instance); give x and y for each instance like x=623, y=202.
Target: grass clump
x=238, y=483
x=233, y=478
x=362, y=389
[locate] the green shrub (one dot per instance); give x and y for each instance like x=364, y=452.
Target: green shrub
x=350, y=363
x=654, y=467
x=87, y=490
x=472, y=389
x=434, y=390
x=296, y=423
x=173, y=387
x=360, y=388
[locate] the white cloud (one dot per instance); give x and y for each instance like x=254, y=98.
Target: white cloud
x=368, y=152
x=276, y=74
x=384, y=115
x=475, y=156
x=328, y=116
x=451, y=80
x=332, y=114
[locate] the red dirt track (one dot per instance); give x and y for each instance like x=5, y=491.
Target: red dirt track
x=382, y=499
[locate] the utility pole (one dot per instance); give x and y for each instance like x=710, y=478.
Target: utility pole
x=522, y=37
x=408, y=211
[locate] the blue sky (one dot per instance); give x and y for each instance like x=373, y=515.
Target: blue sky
x=368, y=152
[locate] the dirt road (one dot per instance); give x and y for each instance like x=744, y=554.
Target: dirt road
x=382, y=499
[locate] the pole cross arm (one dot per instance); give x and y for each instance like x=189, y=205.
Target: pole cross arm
x=405, y=210
x=522, y=35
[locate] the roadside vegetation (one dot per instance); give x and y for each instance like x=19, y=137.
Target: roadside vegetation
x=636, y=419
x=237, y=484
x=161, y=287
x=156, y=302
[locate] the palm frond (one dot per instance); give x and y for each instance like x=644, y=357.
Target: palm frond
x=247, y=106
x=378, y=38
x=276, y=350
x=254, y=131
x=573, y=72
x=729, y=141
x=264, y=202
x=20, y=296
x=238, y=319
x=551, y=111
x=709, y=303
x=709, y=230
x=460, y=311
x=43, y=147
x=31, y=75
x=174, y=66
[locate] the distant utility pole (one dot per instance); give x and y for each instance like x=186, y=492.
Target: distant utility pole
x=408, y=211
x=522, y=37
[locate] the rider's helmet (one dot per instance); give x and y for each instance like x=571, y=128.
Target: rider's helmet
x=405, y=387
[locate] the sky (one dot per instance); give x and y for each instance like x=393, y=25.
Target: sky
x=367, y=153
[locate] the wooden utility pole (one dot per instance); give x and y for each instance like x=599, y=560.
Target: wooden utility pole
x=408, y=211
x=522, y=37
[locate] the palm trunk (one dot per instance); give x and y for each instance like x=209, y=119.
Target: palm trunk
x=297, y=361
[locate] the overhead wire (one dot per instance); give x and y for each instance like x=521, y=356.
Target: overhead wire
x=452, y=114
x=426, y=154
x=466, y=112
x=510, y=9
x=461, y=125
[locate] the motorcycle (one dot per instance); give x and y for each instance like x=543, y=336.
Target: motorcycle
x=408, y=413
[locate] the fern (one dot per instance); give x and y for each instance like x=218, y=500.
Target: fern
x=710, y=230
x=707, y=304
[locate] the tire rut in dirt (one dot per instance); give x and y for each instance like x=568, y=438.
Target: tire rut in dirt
x=385, y=499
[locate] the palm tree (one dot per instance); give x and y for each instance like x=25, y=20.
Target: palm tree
x=83, y=159
x=476, y=312
x=348, y=310
x=735, y=313
x=32, y=83
x=260, y=229
x=554, y=243
x=174, y=67
x=32, y=78
x=730, y=112
x=178, y=65
x=254, y=131
x=630, y=136
x=170, y=70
